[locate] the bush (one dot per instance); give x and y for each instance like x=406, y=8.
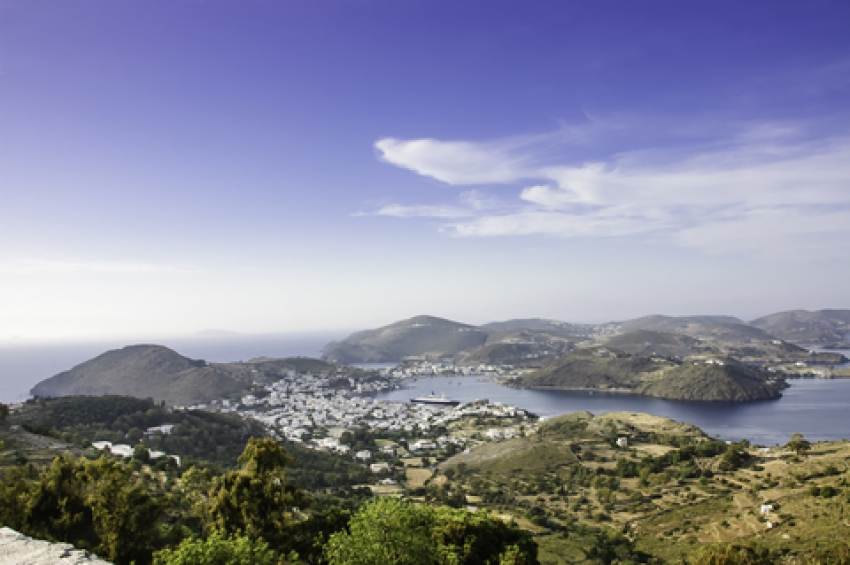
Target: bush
x=391, y=532
x=218, y=550
x=732, y=554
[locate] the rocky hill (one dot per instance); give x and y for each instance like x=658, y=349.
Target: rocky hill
x=710, y=380
x=700, y=381
x=422, y=336
x=542, y=325
x=519, y=348
x=144, y=371
x=807, y=326
x=157, y=372
x=649, y=342
x=534, y=341
x=722, y=329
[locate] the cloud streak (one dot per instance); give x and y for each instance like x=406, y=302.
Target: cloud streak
x=765, y=186
x=36, y=266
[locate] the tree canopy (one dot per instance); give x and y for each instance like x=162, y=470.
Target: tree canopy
x=393, y=532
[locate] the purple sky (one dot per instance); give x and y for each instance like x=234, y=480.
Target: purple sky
x=172, y=166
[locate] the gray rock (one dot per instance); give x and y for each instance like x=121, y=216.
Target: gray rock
x=18, y=549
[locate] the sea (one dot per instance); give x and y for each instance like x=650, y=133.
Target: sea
x=817, y=408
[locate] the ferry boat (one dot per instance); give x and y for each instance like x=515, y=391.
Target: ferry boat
x=435, y=399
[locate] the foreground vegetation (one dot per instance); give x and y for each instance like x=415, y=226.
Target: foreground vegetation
x=615, y=488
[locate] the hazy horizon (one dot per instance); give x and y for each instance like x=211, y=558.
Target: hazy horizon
x=221, y=334
x=288, y=167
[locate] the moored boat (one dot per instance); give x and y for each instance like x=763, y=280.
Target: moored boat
x=435, y=399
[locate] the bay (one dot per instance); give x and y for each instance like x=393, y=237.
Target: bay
x=817, y=408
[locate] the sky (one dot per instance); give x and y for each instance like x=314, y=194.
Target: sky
x=173, y=166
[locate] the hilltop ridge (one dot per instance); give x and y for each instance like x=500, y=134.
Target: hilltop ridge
x=157, y=372
x=529, y=341
x=420, y=336
x=709, y=380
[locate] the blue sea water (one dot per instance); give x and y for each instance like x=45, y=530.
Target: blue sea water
x=817, y=408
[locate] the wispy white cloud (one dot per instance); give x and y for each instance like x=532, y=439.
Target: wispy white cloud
x=470, y=204
x=424, y=211
x=33, y=266
x=455, y=162
x=766, y=184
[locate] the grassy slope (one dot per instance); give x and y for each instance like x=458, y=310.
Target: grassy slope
x=154, y=371
x=803, y=325
x=590, y=369
x=731, y=382
x=586, y=368
x=670, y=514
x=517, y=348
x=424, y=336
x=145, y=371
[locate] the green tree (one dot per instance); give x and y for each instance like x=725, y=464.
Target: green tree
x=218, y=550
x=257, y=500
x=125, y=515
x=94, y=505
x=4, y=412
x=798, y=444
x=385, y=532
x=55, y=507
x=476, y=538
x=14, y=495
x=141, y=453
x=393, y=532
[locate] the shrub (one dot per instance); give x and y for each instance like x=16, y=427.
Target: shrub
x=218, y=550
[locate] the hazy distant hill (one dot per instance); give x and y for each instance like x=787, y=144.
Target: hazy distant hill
x=806, y=326
x=523, y=348
x=421, y=336
x=541, y=325
x=770, y=350
x=144, y=371
x=154, y=371
x=712, y=328
x=690, y=380
x=649, y=342
x=533, y=341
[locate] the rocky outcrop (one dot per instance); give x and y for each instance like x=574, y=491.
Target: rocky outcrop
x=18, y=549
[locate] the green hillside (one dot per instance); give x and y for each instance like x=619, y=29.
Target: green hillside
x=674, y=323
x=730, y=382
x=649, y=342
x=721, y=329
x=145, y=371
x=421, y=336
x=533, y=341
x=154, y=371
x=594, y=368
x=807, y=326
x=541, y=325
x=723, y=380
x=520, y=348
x=669, y=494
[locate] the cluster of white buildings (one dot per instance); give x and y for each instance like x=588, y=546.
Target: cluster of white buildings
x=298, y=405
x=428, y=369
x=126, y=451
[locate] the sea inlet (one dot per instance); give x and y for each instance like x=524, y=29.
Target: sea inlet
x=817, y=408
